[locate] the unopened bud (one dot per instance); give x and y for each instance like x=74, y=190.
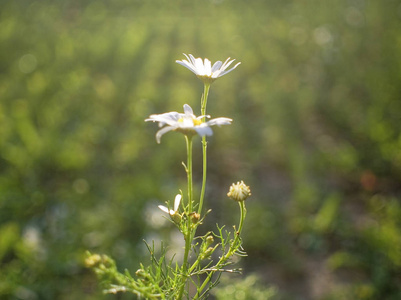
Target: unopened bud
x=209, y=240
x=195, y=217
x=239, y=191
x=207, y=253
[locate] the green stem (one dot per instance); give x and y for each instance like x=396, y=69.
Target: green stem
x=233, y=247
x=205, y=95
x=242, y=218
x=188, y=140
x=188, y=233
x=204, y=146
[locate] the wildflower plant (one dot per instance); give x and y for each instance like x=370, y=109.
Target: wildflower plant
x=204, y=257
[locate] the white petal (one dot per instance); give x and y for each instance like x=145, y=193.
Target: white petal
x=208, y=67
x=188, y=110
x=216, y=66
x=163, y=208
x=189, y=60
x=193, y=59
x=163, y=131
x=219, y=121
x=187, y=65
x=170, y=118
x=226, y=64
x=204, y=130
x=216, y=74
x=203, y=116
x=200, y=69
x=177, y=202
x=228, y=71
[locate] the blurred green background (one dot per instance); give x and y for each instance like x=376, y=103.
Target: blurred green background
x=316, y=134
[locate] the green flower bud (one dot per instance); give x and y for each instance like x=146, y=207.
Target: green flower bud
x=209, y=240
x=207, y=253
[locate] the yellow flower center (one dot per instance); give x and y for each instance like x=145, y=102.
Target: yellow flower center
x=196, y=122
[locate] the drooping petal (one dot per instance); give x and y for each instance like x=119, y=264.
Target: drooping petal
x=163, y=131
x=204, y=130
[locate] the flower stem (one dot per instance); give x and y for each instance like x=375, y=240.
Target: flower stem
x=205, y=95
x=204, y=146
x=233, y=248
x=188, y=233
x=242, y=218
x=188, y=140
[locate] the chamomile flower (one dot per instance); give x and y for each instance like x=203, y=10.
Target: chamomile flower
x=174, y=214
x=186, y=123
x=204, y=69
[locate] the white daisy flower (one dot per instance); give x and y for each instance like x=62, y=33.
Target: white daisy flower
x=186, y=123
x=204, y=69
x=173, y=213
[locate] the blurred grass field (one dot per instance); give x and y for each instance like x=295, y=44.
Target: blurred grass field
x=316, y=134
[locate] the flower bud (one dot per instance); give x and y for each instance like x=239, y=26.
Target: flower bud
x=140, y=273
x=239, y=191
x=207, y=253
x=209, y=240
x=195, y=217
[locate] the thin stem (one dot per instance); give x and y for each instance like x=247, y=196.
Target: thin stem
x=204, y=146
x=242, y=218
x=205, y=95
x=188, y=234
x=233, y=248
x=188, y=140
